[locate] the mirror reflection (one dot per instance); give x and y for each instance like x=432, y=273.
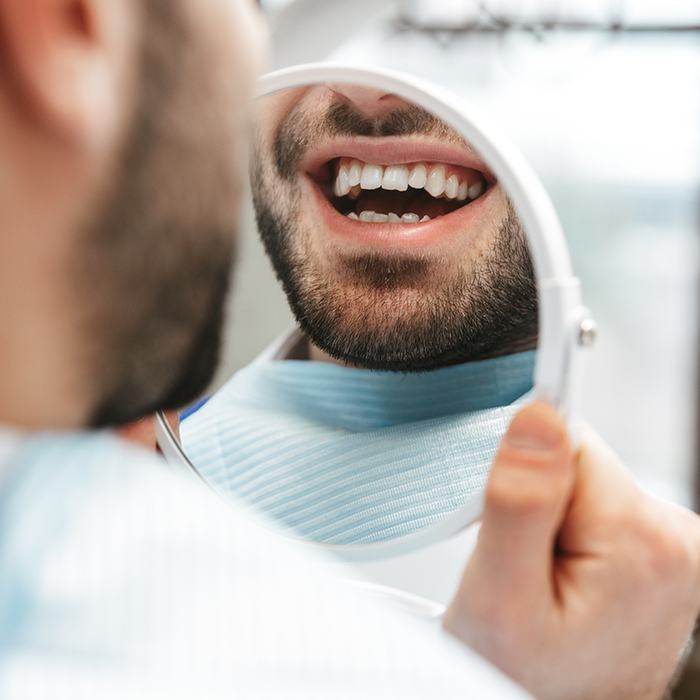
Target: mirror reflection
x=407, y=270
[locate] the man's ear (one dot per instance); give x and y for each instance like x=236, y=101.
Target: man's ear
x=66, y=62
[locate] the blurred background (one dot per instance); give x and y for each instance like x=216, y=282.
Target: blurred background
x=604, y=100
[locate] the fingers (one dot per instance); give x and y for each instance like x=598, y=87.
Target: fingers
x=605, y=498
x=526, y=498
x=609, y=512
x=625, y=576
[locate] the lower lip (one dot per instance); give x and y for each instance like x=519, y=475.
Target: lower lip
x=460, y=222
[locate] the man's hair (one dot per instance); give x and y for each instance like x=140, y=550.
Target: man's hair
x=156, y=259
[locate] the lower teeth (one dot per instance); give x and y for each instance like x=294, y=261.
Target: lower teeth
x=371, y=217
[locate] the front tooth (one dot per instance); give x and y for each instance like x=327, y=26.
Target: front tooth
x=353, y=216
x=395, y=178
x=436, y=181
x=452, y=186
x=354, y=192
x=425, y=218
x=367, y=216
x=476, y=189
x=418, y=176
x=371, y=178
x=394, y=218
x=463, y=191
x=410, y=218
x=380, y=218
x=354, y=173
x=341, y=183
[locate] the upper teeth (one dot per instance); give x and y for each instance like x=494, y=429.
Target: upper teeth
x=437, y=179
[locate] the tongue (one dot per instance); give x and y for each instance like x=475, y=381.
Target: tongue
x=418, y=202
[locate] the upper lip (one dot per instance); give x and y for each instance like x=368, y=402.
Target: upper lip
x=393, y=150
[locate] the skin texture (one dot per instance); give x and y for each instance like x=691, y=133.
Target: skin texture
x=605, y=614
x=143, y=432
x=129, y=253
x=465, y=297
x=581, y=586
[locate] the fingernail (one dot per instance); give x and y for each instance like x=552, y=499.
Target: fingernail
x=529, y=431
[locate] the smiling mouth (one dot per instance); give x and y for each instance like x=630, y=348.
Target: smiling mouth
x=407, y=193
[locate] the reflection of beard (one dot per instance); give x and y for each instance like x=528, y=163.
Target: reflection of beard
x=156, y=260
x=386, y=312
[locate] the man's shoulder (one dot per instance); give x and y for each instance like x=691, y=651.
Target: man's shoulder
x=58, y=489
x=106, y=555
x=83, y=462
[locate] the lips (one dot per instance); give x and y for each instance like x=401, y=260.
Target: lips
x=397, y=192
x=393, y=150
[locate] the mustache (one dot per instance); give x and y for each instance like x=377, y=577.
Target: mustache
x=299, y=133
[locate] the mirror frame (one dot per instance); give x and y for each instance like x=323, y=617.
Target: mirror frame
x=564, y=324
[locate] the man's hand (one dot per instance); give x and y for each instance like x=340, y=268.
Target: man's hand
x=581, y=586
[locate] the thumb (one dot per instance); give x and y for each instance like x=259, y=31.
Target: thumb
x=527, y=495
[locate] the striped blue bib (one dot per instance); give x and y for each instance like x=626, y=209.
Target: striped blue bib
x=346, y=456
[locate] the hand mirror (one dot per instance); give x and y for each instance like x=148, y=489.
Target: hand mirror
x=433, y=293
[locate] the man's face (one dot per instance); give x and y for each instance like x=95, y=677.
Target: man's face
x=155, y=261
x=395, y=245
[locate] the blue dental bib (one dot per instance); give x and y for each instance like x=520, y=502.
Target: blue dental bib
x=346, y=456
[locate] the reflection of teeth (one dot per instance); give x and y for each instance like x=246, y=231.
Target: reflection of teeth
x=342, y=187
x=371, y=177
x=354, y=173
x=419, y=176
x=373, y=217
x=475, y=190
x=439, y=180
x=395, y=178
x=436, y=180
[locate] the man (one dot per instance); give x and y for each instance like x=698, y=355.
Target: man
x=119, y=580
x=407, y=269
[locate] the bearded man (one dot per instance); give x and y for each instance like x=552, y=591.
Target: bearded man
x=408, y=273
x=119, y=128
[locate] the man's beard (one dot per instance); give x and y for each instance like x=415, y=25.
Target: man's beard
x=385, y=312
x=156, y=260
